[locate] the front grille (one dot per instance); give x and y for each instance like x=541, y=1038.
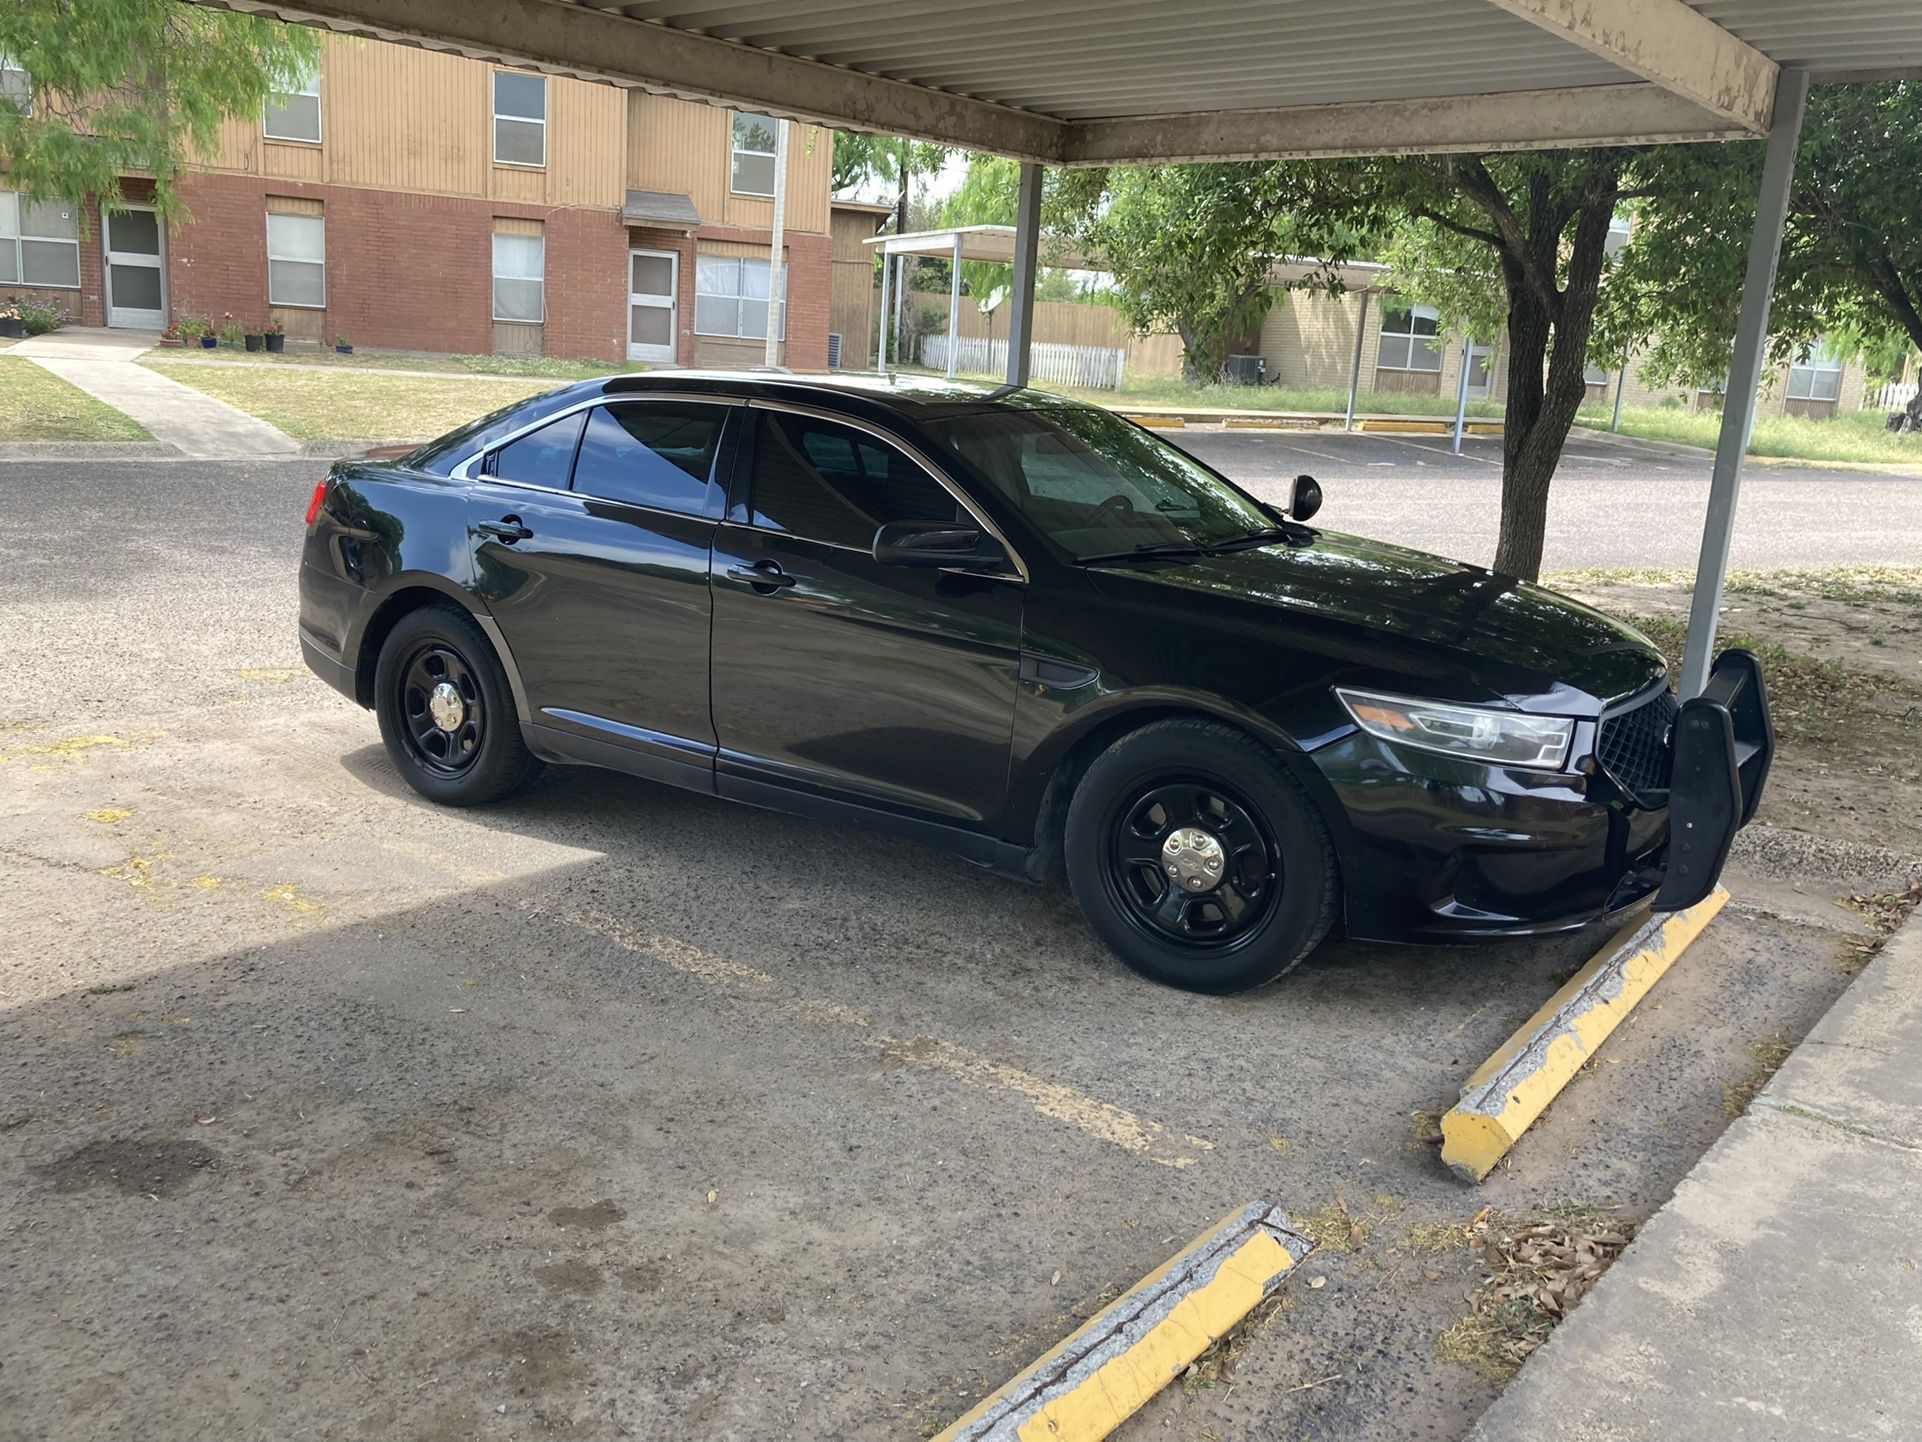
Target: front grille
x=1634, y=744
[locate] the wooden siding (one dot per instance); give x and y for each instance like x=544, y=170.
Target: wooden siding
x=687, y=149
x=394, y=117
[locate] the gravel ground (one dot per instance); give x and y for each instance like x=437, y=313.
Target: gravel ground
x=624, y=1112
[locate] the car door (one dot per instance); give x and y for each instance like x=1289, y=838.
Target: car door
x=591, y=544
x=838, y=675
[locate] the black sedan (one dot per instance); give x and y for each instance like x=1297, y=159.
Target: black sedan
x=1026, y=630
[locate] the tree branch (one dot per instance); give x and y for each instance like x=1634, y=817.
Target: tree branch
x=1471, y=177
x=1486, y=237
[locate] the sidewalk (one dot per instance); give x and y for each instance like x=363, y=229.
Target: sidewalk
x=101, y=363
x=1778, y=1295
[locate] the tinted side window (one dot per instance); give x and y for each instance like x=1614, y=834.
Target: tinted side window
x=832, y=483
x=542, y=457
x=658, y=454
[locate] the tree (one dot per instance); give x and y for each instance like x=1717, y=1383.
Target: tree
x=133, y=87
x=1851, y=266
x=1190, y=246
x=1514, y=239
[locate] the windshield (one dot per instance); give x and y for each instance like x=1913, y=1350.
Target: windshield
x=1097, y=486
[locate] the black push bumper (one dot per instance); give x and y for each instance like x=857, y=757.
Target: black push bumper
x=1723, y=744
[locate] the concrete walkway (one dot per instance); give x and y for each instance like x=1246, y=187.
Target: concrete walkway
x=1778, y=1295
x=101, y=363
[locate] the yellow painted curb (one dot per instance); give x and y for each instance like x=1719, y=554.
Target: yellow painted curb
x=1515, y=1085
x=1166, y=423
x=1485, y=428
x=1406, y=428
x=1103, y=1374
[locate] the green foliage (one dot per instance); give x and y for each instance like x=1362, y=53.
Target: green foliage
x=1190, y=246
x=36, y=317
x=133, y=86
x=1851, y=267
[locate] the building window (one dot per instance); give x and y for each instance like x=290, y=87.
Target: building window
x=520, y=119
x=731, y=295
x=753, y=171
x=1816, y=375
x=16, y=89
x=296, y=260
x=520, y=278
x=1410, y=337
x=39, y=242
x=294, y=114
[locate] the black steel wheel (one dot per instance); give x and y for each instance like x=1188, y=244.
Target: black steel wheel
x=446, y=710
x=1199, y=858
x=1190, y=863
x=446, y=713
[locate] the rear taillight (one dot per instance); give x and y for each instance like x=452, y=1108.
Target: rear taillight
x=313, y=505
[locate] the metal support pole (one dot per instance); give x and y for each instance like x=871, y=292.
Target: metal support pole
x=1027, y=255
x=1621, y=384
x=1461, y=394
x=954, y=305
x=881, y=339
x=901, y=308
x=1354, y=374
x=777, y=257
x=1744, y=375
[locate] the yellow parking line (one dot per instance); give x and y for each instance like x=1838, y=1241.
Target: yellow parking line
x=1105, y=1372
x=1105, y=1122
x=1515, y=1085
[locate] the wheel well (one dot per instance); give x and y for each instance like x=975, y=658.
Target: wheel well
x=1047, y=861
x=387, y=616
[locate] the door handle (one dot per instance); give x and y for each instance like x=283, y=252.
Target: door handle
x=764, y=576
x=508, y=529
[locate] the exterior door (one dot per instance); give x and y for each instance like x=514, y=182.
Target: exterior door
x=136, y=259
x=840, y=676
x=653, y=323
x=591, y=537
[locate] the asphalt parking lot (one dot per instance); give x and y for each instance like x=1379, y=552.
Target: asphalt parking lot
x=619, y=1111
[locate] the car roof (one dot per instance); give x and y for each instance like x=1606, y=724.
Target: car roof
x=894, y=402
x=910, y=397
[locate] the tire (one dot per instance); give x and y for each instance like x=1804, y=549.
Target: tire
x=1257, y=886
x=479, y=755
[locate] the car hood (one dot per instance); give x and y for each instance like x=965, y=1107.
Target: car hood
x=1521, y=640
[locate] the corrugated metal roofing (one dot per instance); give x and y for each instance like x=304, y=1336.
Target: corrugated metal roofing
x=1826, y=35
x=1074, y=61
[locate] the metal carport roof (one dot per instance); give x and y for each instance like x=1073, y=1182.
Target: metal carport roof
x=1067, y=82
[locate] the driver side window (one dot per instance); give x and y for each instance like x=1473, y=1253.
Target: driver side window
x=827, y=482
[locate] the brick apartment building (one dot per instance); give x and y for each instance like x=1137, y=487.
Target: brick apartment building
x=407, y=199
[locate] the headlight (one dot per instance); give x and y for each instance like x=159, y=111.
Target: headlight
x=1506, y=738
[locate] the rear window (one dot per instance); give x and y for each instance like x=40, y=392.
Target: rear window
x=541, y=457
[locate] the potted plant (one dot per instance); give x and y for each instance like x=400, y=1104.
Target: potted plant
x=196, y=330
x=230, y=331
x=11, y=326
x=342, y=344
x=170, y=338
x=254, y=336
x=275, y=337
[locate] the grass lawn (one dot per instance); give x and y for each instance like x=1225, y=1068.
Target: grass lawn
x=548, y=367
x=36, y=405
x=1851, y=436
x=352, y=405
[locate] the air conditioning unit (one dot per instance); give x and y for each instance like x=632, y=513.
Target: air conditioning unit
x=1246, y=370
x=834, y=350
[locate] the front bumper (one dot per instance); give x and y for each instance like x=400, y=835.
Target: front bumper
x=1436, y=848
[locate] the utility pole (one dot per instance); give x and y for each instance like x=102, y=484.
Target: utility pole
x=777, y=261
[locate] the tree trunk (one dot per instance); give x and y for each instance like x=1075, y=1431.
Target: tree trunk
x=1518, y=548
x=1543, y=398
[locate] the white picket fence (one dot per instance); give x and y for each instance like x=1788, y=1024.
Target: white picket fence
x=1089, y=366
x=1892, y=397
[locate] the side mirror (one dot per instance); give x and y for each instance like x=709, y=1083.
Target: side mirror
x=933, y=543
x=1306, y=499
